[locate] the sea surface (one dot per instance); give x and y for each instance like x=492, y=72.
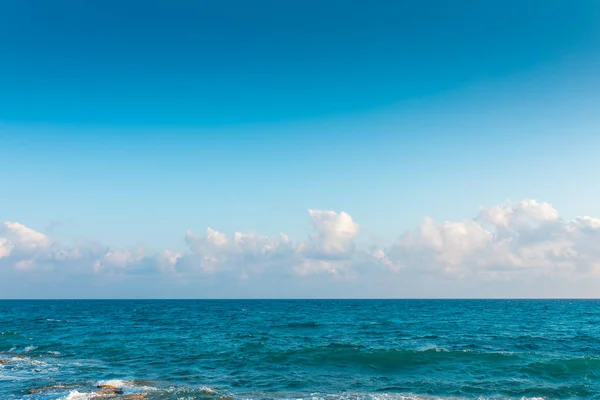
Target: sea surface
x=300, y=349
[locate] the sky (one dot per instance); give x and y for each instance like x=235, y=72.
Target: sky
x=303, y=149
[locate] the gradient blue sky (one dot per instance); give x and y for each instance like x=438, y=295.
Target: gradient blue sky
x=127, y=123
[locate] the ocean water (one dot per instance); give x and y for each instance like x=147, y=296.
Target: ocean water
x=301, y=349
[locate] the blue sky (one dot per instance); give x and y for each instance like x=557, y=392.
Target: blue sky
x=126, y=124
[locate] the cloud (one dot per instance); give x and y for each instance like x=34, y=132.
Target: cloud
x=323, y=252
x=23, y=238
x=504, y=242
x=335, y=234
x=215, y=252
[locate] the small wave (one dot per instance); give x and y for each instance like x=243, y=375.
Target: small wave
x=385, y=358
x=29, y=348
x=561, y=366
x=434, y=348
x=27, y=360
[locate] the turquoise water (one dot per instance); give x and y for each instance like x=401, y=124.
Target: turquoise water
x=301, y=349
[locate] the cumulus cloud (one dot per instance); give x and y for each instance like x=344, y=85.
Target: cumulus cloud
x=243, y=255
x=326, y=251
x=23, y=238
x=215, y=252
x=505, y=241
x=335, y=234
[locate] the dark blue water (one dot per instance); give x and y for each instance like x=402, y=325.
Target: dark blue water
x=331, y=349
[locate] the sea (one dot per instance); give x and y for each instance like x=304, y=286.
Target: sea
x=300, y=349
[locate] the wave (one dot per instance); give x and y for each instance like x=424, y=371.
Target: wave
x=386, y=358
x=104, y=389
x=29, y=348
x=558, y=367
x=135, y=389
x=337, y=355
x=207, y=393
x=76, y=395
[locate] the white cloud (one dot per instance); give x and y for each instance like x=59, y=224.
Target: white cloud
x=308, y=267
x=335, y=234
x=505, y=240
x=215, y=252
x=514, y=215
x=257, y=254
x=382, y=258
x=167, y=260
x=118, y=261
x=502, y=242
x=23, y=238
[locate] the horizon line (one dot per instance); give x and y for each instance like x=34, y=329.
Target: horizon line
x=300, y=298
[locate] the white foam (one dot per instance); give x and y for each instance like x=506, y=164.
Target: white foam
x=437, y=349
x=129, y=386
x=75, y=395
x=29, y=348
x=27, y=360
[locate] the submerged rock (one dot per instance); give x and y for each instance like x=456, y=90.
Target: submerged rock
x=108, y=387
x=47, y=388
x=2, y=362
x=106, y=391
x=136, y=396
x=142, y=382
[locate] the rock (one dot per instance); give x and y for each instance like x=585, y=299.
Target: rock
x=136, y=396
x=2, y=362
x=106, y=387
x=47, y=388
x=109, y=390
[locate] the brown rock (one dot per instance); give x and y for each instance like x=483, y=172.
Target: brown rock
x=2, y=362
x=106, y=390
x=106, y=387
x=136, y=396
